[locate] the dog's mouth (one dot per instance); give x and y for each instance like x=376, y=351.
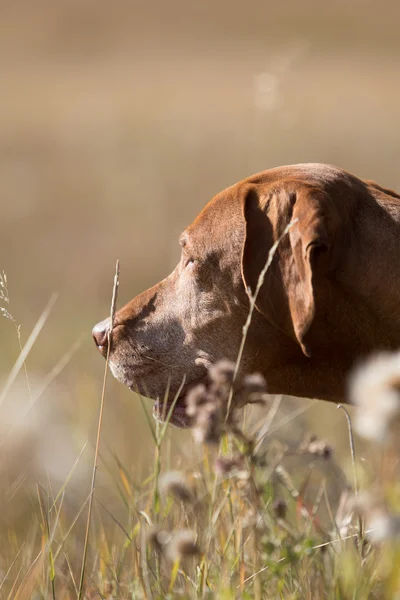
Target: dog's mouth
x=172, y=412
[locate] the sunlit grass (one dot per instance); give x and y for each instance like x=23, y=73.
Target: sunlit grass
x=234, y=524
x=236, y=520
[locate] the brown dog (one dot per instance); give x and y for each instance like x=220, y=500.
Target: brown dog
x=330, y=296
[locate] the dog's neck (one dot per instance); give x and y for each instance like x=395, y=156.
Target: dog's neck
x=370, y=276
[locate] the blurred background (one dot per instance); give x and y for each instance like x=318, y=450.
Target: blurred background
x=118, y=122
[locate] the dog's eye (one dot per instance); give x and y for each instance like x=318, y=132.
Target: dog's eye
x=189, y=262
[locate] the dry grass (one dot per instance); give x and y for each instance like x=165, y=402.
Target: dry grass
x=117, y=125
x=234, y=523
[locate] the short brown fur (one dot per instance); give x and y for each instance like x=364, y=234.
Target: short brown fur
x=330, y=297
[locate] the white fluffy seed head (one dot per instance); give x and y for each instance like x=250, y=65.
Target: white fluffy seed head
x=173, y=483
x=182, y=545
x=375, y=390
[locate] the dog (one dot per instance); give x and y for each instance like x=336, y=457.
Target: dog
x=330, y=296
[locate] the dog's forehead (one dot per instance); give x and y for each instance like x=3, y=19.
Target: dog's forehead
x=219, y=221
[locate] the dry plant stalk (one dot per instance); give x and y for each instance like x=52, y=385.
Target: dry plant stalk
x=27, y=347
x=253, y=299
x=353, y=461
x=96, y=452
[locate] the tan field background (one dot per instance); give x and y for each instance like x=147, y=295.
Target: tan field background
x=118, y=122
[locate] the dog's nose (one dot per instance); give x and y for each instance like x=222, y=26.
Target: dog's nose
x=100, y=333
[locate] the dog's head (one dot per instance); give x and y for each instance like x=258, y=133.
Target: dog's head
x=166, y=338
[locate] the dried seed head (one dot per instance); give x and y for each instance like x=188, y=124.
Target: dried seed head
x=222, y=373
x=367, y=502
x=383, y=526
x=3, y=288
x=6, y=314
x=320, y=448
x=375, y=390
x=313, y=445
x=308, y=439
x=158, y=539
x=173, y=483
x=381, y=523
x=204, y=408
x=182, y=545
x=280, y=508
x=251, y=390
x=255, y=384
x=224, y=466
x=207, y=405
x=209, y=425
x=195, y=399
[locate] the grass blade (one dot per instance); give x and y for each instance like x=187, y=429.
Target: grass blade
x=27, y=347
x=96, y=453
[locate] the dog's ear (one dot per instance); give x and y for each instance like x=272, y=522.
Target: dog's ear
x=287, y=296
